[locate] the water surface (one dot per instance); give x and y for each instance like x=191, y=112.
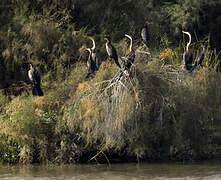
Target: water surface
x=162, y=171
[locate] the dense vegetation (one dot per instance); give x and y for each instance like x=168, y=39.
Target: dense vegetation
x=158, y=113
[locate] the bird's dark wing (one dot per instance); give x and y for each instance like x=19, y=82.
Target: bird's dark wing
x=91, y=68
x=131, y=56
x=188, y=58
x=92, y=65
x=113, y=54
x=97, y=62
x=36, y=77
x=95, y=59
x=36, y=90
x=128, y=60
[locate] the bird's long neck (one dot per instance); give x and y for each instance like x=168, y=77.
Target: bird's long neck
x=188, y=44
x=31, y=67
x=89, y=50
x=93, y=48
x=108, y=41
x=131, y=43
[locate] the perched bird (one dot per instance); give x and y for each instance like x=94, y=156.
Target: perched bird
x=200, y=58
x=93, y=54
x=35, y=79
x=111, y=51
x=91, y=65
x=129, y=58
x=188, y=55
x=145, y=36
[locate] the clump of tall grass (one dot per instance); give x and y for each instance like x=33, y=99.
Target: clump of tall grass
x=26, y=124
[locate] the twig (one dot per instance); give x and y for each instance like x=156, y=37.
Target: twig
x=106, y=158
x=144, y=52
x=94, y=157
x=123, y=85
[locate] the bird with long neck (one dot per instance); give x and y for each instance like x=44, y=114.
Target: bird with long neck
x=91, y=64
x=93, y=53
x=128, y=60
x=35, y=79
x=145, y=33
x=131, y=55
x=111, y=51
x=187, y=55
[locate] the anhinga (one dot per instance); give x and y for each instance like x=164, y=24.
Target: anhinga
x=129, y=58
x=35, y=79
x=93, y=54
x=187, y=55
x=145, y=33
x=91, y=64
x=111, y=51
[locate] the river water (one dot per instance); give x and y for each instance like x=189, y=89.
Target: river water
x=174, y=171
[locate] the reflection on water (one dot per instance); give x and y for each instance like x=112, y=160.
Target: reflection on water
x=202, y=171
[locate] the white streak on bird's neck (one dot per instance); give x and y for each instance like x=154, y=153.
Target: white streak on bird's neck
x=188, y=44
x=131, y=42
x=94, y=46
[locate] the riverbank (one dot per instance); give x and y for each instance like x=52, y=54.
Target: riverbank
x=157, y=113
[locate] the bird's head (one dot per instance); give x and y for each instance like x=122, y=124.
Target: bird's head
x=89, y=37
x=92, y=39
x=185, y=32
x=30, y=65
x=148, y=22
x=107, y=38
x=126, y=35
x=88, y=49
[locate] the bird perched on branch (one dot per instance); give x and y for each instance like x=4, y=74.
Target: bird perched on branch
x=35, y=79
x=93, y=54
x=91, y=65
x=145, y=36
x=111, y=51
x=128, y=60
x=188, y=55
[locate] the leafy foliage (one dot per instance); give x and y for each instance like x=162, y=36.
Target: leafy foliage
x=155, y=113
